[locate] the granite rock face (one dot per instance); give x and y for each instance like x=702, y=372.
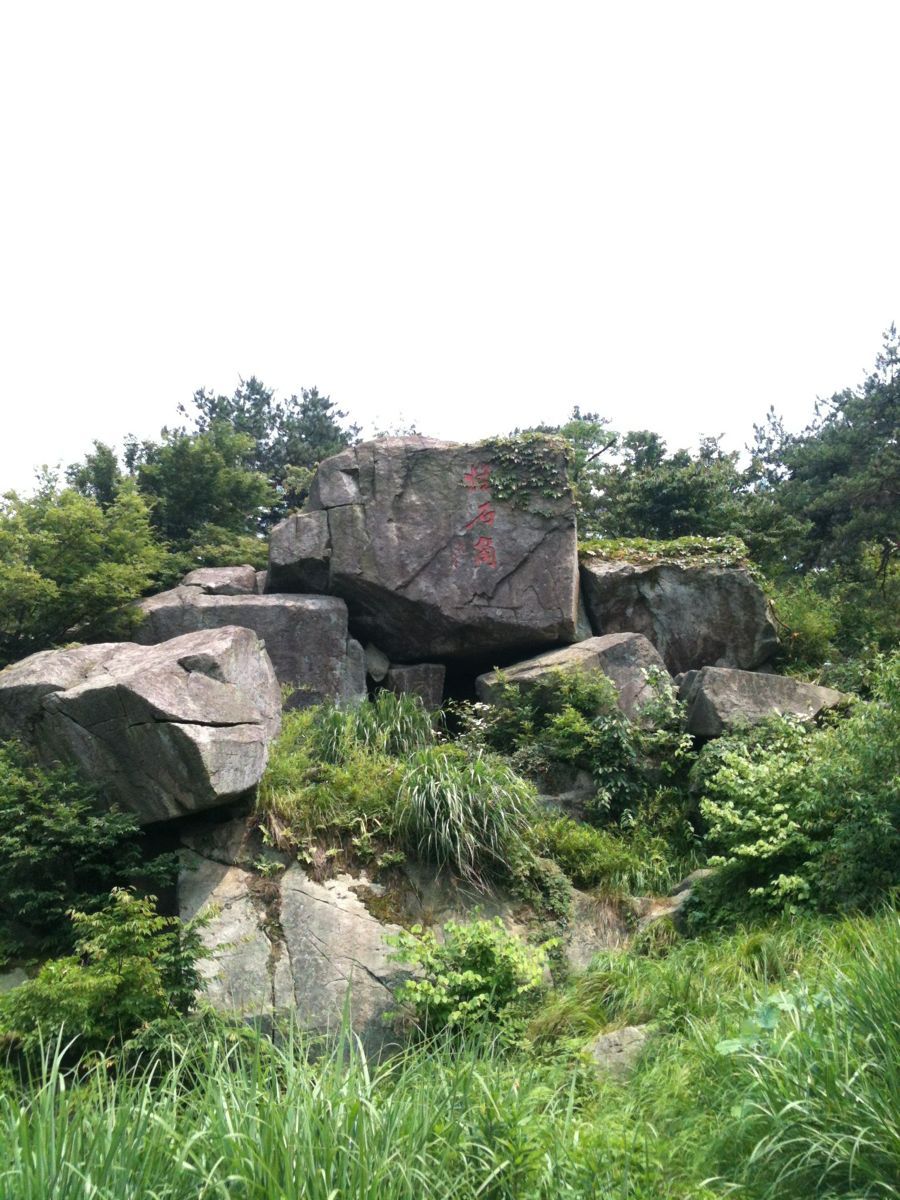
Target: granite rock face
x=425, y=680
x=719, y=699
x=286, y=943
x=223, y=581
x=414, y=534
x=163, y=730
x=625, y=658
x=695, y=616
x=305, y=636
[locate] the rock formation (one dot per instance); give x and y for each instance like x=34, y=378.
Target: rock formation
x=164, y=730
x=695, y=616
x=625, y=658
x=305, y=636
x=437, y=549
x=719, y=699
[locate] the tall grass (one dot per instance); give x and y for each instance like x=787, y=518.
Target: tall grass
x=821, y=1112
x=468, y=811
x=395, y=725
x=445, y=1125
x=810, y=1113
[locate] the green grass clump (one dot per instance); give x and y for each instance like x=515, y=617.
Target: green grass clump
x=590, y=857
x=463, y=810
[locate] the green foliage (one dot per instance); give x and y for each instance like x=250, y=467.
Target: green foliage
x=525, y=468
x=339, y=770
x=288, y=438
x=466, y=811
x=206, y=500
x=842, y=473
x=391, y=724
x=819, y=1112
x=835, y=621
x=59, y=849
x=573, y=717
x=69, y=568
x=130, y=966
x=813, y=1114
x=478, y=971
x=590, y=857
x=649, y=493
x=587, y=437
x=808, y=620
x=801, y=817
x=682, y=551
x=370, y=782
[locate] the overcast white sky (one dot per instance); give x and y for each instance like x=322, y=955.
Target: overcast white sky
x=465, y=215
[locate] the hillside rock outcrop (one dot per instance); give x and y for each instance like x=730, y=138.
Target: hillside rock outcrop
x=625, y=658
x=284, y=942
x=695, y=616
x=719, y=699
x=306, y=637
x=437, y=548
x=164, y=730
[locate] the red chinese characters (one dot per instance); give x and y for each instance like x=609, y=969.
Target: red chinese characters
x=485, y=515
x=485, y=554
x=478, y=479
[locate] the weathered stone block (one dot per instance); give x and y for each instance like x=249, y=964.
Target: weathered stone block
x=695, y=616
x=624, y=657
x=433, y=562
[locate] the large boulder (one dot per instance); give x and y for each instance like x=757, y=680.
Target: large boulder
x=625, y=658
x=718, y=699
x=695, y=616
x=164, y=730
x=306, y=636
x=440, y=550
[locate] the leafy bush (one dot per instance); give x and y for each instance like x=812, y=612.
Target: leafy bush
x=573, y=717
x=479, y=971
x=130, y=967
x=805, y=817
x=59, y=850
x=590, y=857
x=70, y=568
x=465, y=811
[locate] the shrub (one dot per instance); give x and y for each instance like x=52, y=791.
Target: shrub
x=806, y=817
x=59, y=850
x=479, y=971
x=573, y=717
x=464, y=811
x=590, y=857
x=131, y=966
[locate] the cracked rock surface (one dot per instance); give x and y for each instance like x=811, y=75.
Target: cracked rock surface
x=625, y=658
x=695, y=616
x=306, y=637
x=431, y=563
x=719, y=699
x=283, y=942
x=163, y=730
